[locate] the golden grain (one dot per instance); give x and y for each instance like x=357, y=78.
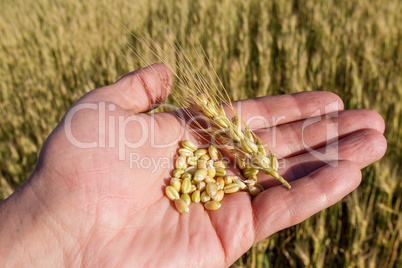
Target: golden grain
x=181, y=163
x=254, y=191
x=181, y=206
x=209, y=180
x=239, y=181
x=204, y=197
x=177, y=173
x=186, y=198
x=231, y=188
x=205, y=157
x=202, y=164
x=189, y=145
x=171, y=193
x=211, y=172
x=220, y=172
x=251, y=183
x=185, y=152
x=192, y=160
x=220, y=183
x=201, y=185
x=219, y=164
x=186, y=186
x=191, y=170
x=240, y=163
x=176, y=183
x=200, y=175
x=211, y=189
x=196, y=196
x=200, y=152
x=186, y=175
x=210, y=164
x=219, y=195
x=228, y=179
x=214, y=153
x=212, y=205
x=192, y=188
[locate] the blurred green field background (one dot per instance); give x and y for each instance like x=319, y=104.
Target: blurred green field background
x=52, y=52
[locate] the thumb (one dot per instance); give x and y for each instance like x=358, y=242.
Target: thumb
x=137, y=91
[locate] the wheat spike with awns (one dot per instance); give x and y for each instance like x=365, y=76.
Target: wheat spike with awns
x=245, y=146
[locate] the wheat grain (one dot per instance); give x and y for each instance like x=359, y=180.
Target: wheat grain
x=211, y=171
x=189, y=146
x=186, y=198
x=254, y=191
x=185, y=152
x=181, y=162
x=195, y=197
x=202, y=164
x=209, y=180
x=219, y=195
x=186, y=186
x=176, y=183
x=200, y=152
x=220, y=183
x=201, y=185
x=171, y=193
x=228, y=180
x=204, y=197
x=181, y=206
x=177, y=173
x=191, y=170
x=192, y=160
x=231, y=188
x=205, y=157
x=200, y=175
x=240, y=182
x=214, y=153
x=193, y=188
x=212, y=189
x=220, y=172
x=220, y=164
x=186, y=175
x=212, y=205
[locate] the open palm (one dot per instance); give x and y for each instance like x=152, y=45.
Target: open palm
x=109, y=200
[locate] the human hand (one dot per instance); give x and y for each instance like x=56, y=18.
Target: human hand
x=86, y=207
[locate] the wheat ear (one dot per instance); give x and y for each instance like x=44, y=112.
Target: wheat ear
x=246, y=147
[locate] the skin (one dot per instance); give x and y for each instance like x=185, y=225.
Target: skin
x=87, y=207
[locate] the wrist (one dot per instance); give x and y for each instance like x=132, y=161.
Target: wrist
x=30, y=234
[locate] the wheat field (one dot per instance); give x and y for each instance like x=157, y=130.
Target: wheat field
x=52, y=52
